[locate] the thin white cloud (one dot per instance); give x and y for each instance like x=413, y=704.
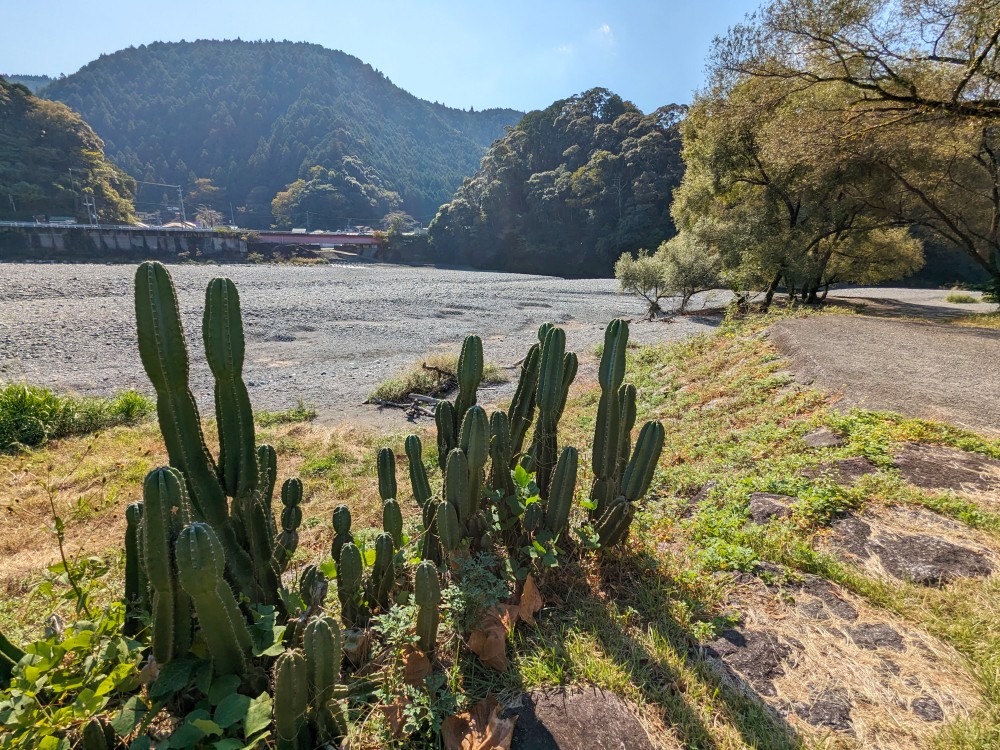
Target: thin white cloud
x=565, y=49
x=604, y=38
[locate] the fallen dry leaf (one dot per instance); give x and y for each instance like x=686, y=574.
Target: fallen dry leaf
x=531, y=601
x=394, y=716
x=416, y=666
x=481, y=728
x=489, y=640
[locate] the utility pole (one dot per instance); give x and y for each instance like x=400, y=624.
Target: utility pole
x=180, y=197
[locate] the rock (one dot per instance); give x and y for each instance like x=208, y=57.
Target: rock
x=826, y=601
x=765, y=505
x=824, y=437
x=830, y=709
x=929, y=560
x=843, y=470
x=574, y=718
x=851, y=534
x=934, y=467
x=876, y=635
x=756, y=656
x=927, y=708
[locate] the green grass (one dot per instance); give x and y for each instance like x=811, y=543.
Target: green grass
x=431, y=382
x=31, y=415
x=301, y=412
x=961, y=298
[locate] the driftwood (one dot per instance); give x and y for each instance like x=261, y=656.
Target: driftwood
x=424, y=399
x=412, y=409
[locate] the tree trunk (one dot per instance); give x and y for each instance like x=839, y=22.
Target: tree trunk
x=771, y=288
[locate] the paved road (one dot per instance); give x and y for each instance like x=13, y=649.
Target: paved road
x=326, y=334
x=921, y=369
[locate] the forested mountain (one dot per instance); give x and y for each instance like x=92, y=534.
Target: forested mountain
x=50, y=159
x=568, y=190
x=255, y=117
x=34, y=84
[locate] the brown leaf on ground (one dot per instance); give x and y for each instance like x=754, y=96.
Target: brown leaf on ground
x=416, y=666
x=489, y=640
x=394, y=716
x=531, y=601
x=481, y=728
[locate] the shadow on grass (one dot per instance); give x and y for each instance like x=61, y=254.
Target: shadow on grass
x=629, y=616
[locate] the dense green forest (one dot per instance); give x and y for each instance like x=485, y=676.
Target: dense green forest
x=240, y=122
x=35, y=84
x=568, y=190
x=50, y=159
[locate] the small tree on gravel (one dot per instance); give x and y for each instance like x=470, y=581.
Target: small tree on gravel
x=681, y=267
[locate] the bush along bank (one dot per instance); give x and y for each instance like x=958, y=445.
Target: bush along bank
x=221, y=641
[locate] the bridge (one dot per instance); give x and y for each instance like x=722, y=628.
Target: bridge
x=325, y=239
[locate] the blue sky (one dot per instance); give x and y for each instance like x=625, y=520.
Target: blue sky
x=518, y=54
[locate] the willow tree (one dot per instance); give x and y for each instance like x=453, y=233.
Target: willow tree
x=773, y=186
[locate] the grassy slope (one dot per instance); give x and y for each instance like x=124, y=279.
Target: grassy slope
x=631, y=624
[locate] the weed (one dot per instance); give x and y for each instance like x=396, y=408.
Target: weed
x=434, y=375
x=301, y=412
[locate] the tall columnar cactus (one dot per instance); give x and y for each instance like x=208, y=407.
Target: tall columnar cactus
x=418, y=473
x=469, y=375
x=500, y=456
x=166, y=511
x=608, y=432
x=164, y=356
x=556, y=373
x=341, y=531
x=474, y=441
x=386, y=473
x=560, y=500
x=322, y=646
x=392, y=521
x=613, y=525
x=383, y=574
x=427, y=594
x=350, y=569
x=430, y=544
x=291, y=517
x=136, y=585
x=447, y=433
x=291, y=702
x=522, y=407
x=200, y=567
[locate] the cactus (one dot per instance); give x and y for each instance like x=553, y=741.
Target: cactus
x=163, y=492
x=612, y=527
x=392, y=521
x=474, y=441
x=556, y=372
x=447, y=433
x=10, y=655
x=322, y=646
x=136, y=585
x=386, y=473
x=533, y=517
x=200, y=566
x=430, y=547
x=560, y=499
x=291, y=702
x=456, y=485
x=427, y=594
x=418, y=474
x=349, y=573
x=291, y=517
x=267, y=466
x=98, y=735
x=383, y=575
x=313, y=587
x=164, y=356
x=522, y=406
x=342, y=531
x=449, y=526
x=638, y=474
x=470, y=374
x=500, y=455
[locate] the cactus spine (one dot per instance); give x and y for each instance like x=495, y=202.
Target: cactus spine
x=291, y=702
x=427, y=594
x=200, y=567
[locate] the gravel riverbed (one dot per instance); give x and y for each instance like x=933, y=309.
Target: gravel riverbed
x=325, y=334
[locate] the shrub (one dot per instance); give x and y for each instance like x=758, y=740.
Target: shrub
x=960, y=298
x=30, y=415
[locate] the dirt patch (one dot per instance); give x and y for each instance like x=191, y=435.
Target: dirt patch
x=580, y=718
x=935, y=467
x=927, y=370
x=834, y=666
x=913, y=545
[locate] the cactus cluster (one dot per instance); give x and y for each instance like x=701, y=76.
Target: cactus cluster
x=205, y=535
x=621, y=476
